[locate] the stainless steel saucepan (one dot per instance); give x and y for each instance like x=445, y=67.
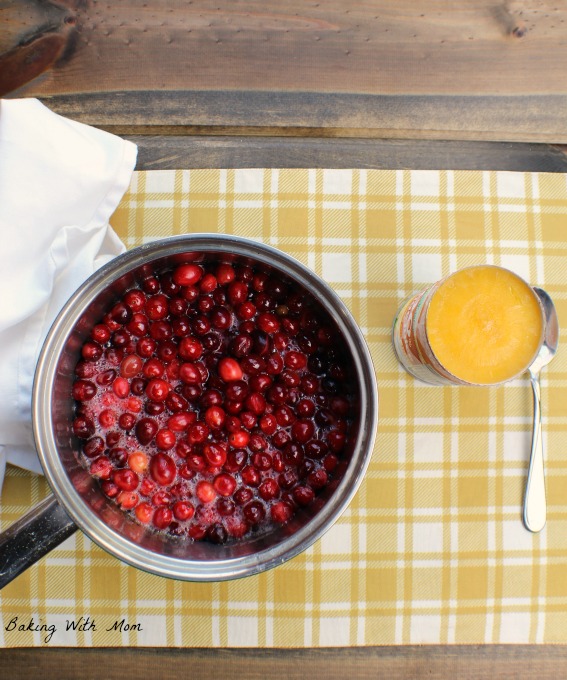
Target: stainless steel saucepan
x=77, y=501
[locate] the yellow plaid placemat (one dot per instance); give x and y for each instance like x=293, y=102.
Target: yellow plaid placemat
x=432, y=549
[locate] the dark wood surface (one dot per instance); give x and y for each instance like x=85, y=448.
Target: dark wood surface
x=497, y=662
x=428, y=69
x=419, y=84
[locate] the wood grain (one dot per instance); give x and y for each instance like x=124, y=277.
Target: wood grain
x=484, y=662
x=249, y=151
x=436, y=69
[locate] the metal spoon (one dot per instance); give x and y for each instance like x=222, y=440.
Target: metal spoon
x=534, y=500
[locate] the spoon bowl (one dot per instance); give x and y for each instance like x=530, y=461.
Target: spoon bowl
x=534, y=499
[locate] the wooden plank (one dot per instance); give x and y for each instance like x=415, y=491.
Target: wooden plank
x=510, y=118
x=411, y=46
x=522, y=662
x=426, y=68
x=173, y=152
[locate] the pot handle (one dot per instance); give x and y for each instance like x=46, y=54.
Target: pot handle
x=31, y=537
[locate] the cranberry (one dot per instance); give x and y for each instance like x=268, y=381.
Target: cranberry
x=237, y=292
x=126, y=479
x=162, y=469
x=190, y=348
x=135, y=299
x=243, y=495
x=268, y=322
x=83, y=427
x=187, y=274
x=281, y=512
x=127, y=421
x=100, y=334
x=256, y=403
x=156, y=307
x=303, y=495
x=235, y=460
x=146, y=429
x=214, y=417
x=229, y=370
x=145, y=347
x=181, y=420
x=221, y=318
x=121, y=387
x=183, y=510
x=85, y=369
x=84, y=390
x=189, y=373
x=119, y=456
x=162, y=517
x=251, y=475
x=131, y=366
x=157, y=389
x=101, y=468
x=165, y=439
x=246, y=311
x=144, y=512
x=205, y=492
x=93, y=447
x=269, y=489
x=208, y=283
x=254, y=512
x=217, y=533
x=224, y=484
x=225, y=507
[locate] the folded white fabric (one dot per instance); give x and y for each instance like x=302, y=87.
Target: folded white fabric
x=60, y=181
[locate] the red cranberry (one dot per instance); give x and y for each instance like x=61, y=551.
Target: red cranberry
x=146, y=429
x=160, y=330
x=126, y=479
x=268, y=322
x=157, y=389
x=189, y=373
x=180, y=327
x=229, y=370
x=215, y=454
x=208, y=283
x=190, y=348
x=224, y=484
x=135, y=299
x=237, y=292
x=145, y=347
x=254, y=512
x=235, y=460
x=165, y=439
x=162, y=517
x=131, y=366
x=162, y=469
x=243, y=495
x=318, y=479
x=83, y=427
x=225, y=507
x=241, y=345
x=127, y=421
x=93, y=447
x=281, y=512
x=217, y=534
x=251, y=475
x=100, y=334
x=85, y=369
x=83, y=390
x=303, y=495
x=269, y=489
x=183, y=510
x=156, y=307
x=101, y=468
x=187, y=274
x=221, y=318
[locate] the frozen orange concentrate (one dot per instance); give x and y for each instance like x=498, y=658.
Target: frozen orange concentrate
x=484, y=324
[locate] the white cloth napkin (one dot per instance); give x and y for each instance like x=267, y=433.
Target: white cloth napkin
x=60, y=181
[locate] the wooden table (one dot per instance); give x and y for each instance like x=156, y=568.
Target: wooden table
x=423, y=84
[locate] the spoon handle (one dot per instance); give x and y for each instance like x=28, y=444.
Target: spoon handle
x=534, y=501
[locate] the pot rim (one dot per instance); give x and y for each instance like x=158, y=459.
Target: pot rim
x=168, y=565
